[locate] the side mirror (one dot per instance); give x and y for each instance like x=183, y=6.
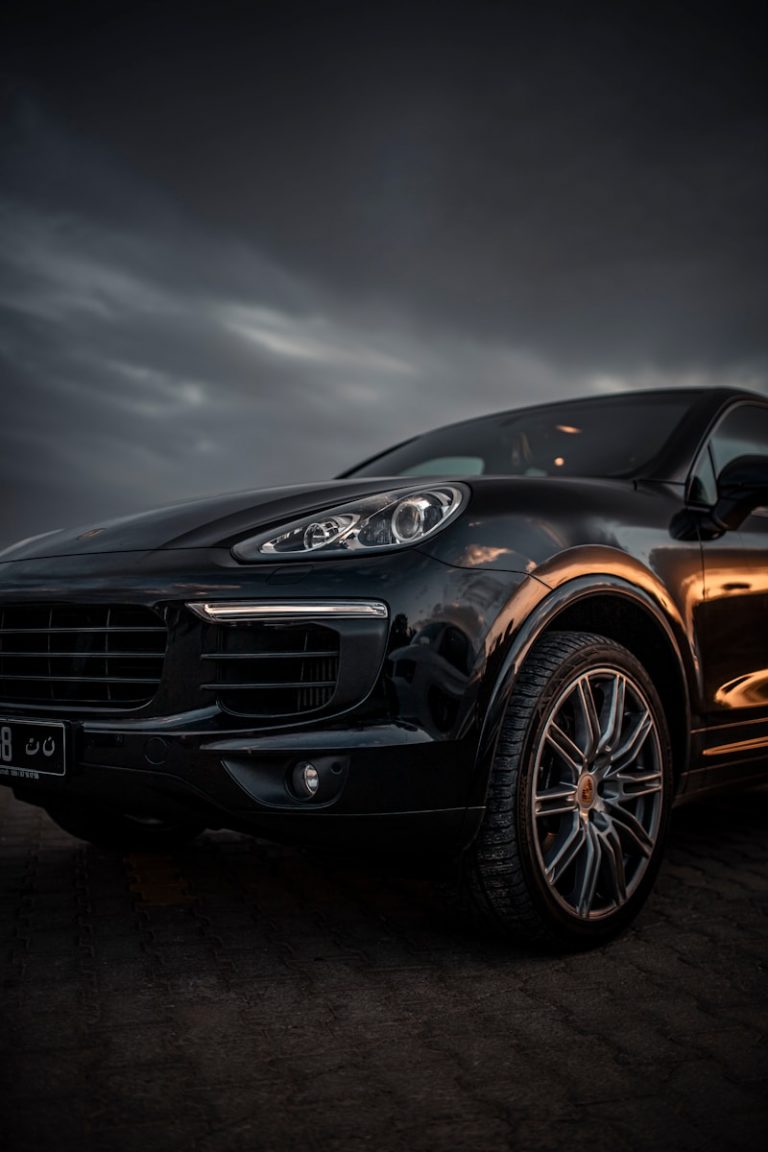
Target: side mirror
x=742, y=486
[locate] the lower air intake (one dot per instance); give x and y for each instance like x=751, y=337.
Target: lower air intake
x=274, y=669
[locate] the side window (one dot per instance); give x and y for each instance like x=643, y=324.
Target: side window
x=742, y=432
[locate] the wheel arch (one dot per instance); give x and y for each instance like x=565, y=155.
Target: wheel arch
x=612, y=607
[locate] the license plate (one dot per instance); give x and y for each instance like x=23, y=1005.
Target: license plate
x=32, y=748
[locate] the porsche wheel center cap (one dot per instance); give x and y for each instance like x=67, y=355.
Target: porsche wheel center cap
x=586, y=790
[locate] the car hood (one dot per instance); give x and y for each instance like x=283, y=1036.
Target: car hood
x=516, y=521
x=216, y=521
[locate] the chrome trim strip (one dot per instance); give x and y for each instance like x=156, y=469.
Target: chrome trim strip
x=753, y=745
x=233, y=611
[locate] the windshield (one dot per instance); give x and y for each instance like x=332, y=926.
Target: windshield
x=617, y=436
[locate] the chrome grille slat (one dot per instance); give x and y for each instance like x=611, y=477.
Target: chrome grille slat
x=84, y=679
x=107, y=656
x=75, y=631
x=264, y=686
x=67, y=655
x=267, y=655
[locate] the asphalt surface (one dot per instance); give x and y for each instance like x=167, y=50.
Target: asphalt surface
x=243, y=996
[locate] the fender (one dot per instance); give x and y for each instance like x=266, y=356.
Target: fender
x=563, y=596
x=648, y=584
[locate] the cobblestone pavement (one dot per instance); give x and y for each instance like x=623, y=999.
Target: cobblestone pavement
x=242, y=996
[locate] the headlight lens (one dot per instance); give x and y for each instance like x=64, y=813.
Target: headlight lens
x=386, y=520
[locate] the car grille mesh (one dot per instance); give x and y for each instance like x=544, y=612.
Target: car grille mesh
x=100, y=656
x=266, y=670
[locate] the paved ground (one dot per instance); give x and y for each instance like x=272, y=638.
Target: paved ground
x=240, y=996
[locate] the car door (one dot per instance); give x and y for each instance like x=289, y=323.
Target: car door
x=734, y=612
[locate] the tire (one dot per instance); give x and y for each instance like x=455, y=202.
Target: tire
x=119, y=832
x=579, y=796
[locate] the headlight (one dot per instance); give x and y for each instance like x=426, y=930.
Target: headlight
x=386, y=520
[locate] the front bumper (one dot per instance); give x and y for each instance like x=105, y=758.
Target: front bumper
x=399, y=762
x=381, y=781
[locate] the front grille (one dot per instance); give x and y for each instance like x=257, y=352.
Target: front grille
x=91, y=655
x=280, y=669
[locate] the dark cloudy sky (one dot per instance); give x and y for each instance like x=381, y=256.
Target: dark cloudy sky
x=245, y=244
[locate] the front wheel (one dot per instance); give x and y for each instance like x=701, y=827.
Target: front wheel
x=579, y=796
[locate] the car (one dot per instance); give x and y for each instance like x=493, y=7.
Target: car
x=517, y=641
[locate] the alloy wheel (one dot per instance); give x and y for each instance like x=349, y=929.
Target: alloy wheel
x=597, y=794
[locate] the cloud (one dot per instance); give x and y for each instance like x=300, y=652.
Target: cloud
x=312, y=340
x=122, y=391
x=339, y=240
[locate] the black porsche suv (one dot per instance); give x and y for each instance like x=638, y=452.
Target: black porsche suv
x=521, y=638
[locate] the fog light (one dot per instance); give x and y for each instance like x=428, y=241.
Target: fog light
x=310, y=779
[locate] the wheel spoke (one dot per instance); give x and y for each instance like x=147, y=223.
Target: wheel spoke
x=629, y=750
x=556, y=800
x=589, y=717
x=630, y=785
x=587, y=871
x=565, y=849
x=613, y=861
x=629, y=828
x=613, y=715
x=566, y=749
